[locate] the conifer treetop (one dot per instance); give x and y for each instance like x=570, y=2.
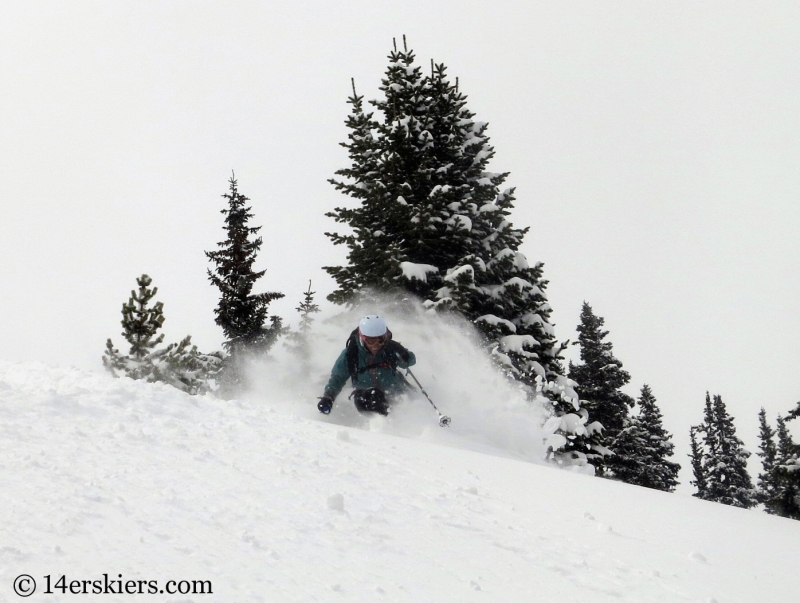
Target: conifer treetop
x=140, y=322
x=724, y=458
x=241, y=313
x=600, y=374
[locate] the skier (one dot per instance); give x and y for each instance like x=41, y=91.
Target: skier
x=370, y=359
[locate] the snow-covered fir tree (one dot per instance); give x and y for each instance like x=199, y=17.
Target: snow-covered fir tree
x=431, y=219
x=768, y=451
x=179, y=364
x=504, y=297
x=785, y=500
x=642, y=446
x=486, y=278
x=241, y=313
x=377, y=221
x=724, y=459
x=418, y=174
x=600, y=376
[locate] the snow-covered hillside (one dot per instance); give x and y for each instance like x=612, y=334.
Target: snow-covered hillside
x=102, y=476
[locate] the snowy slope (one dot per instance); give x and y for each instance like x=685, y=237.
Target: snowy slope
x=124, y=478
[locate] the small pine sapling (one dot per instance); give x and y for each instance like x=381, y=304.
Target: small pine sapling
x=140, y=323
x=179, y=364
x=297, y=342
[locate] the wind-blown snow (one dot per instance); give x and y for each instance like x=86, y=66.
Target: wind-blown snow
x=122, y=477
x=493, y=414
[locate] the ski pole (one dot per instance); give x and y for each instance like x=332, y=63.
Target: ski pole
x=444, y=421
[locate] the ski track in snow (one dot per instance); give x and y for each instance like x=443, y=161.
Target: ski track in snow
x=103, y=475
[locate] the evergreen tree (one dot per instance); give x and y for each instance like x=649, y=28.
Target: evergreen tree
x=306, y=309
x=766, y=487
x=241, y=313
x=140, y=323
x=786, y=474
x=641, y=449
x=786, y=445
x=377, y=221
x=629, y=461
x=724, y=459
x=184, y=367
x=431, y=220
x=600, y=377
x=298, y=341
x=696, y=455
x=179, y=365
x=486, y=278
x=504, y=297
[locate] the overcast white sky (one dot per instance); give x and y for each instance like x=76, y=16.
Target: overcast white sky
x=655, y=148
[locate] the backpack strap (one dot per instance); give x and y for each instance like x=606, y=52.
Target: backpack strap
x=352, y=355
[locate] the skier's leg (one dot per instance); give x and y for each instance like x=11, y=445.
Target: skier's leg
x=371, y=400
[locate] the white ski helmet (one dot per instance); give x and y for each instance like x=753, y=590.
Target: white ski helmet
x=372, y=325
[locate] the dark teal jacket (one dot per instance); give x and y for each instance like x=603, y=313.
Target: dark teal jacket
x=384, y=376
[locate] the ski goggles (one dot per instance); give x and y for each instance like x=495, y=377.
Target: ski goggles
x=373, y=340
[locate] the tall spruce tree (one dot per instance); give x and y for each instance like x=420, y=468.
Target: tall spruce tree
x=786, y=445
x=241, y=313
x=724, y=459
x=641, y=449
x=786, y=474
x=430, y=219
x=377, y=221
x=388, y=177
x=728, y=479
x=599, y=377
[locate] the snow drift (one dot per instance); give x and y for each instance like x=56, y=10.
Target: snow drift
x=119, y=477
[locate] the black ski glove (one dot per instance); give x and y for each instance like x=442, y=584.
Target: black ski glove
x=324, y=405
x=392, y=347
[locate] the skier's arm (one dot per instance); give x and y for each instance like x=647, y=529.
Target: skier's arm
x=338, y=378
x=403, y=356
x=412, y=360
